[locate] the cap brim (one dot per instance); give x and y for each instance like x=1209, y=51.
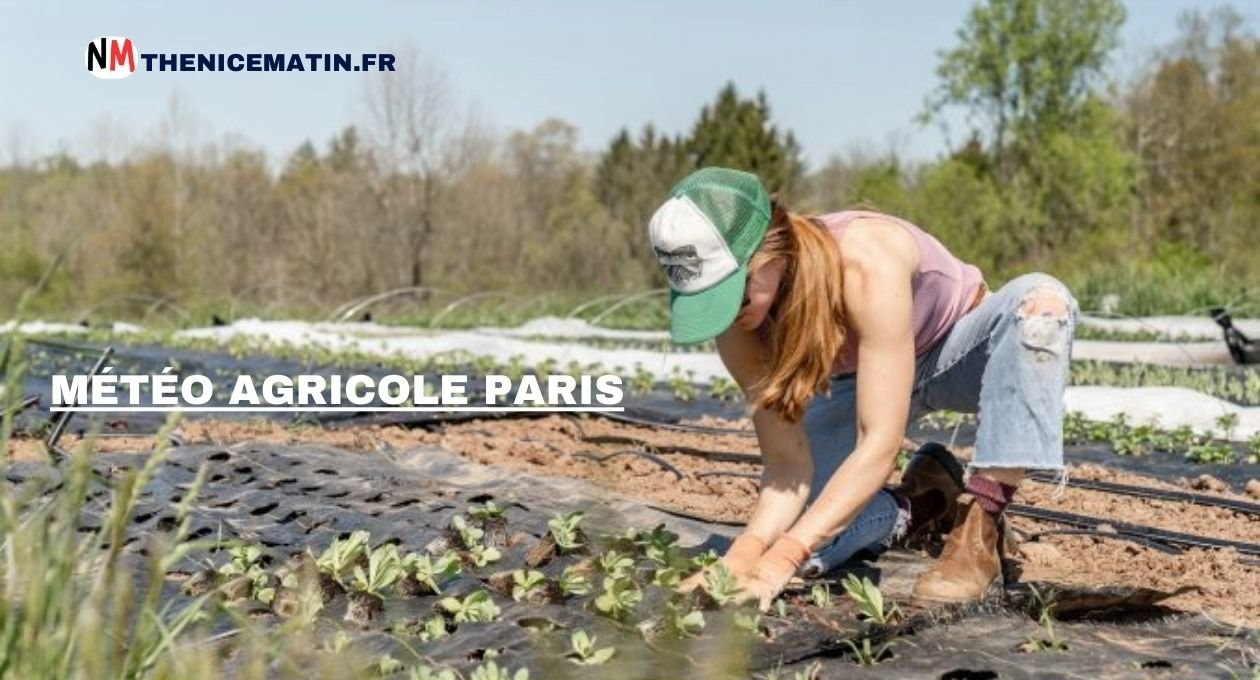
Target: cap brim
x=705, y=315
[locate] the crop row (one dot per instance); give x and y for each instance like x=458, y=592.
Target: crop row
x=1128, y=438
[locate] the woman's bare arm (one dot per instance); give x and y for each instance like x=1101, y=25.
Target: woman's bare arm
x=879, y=258
x=786, y=464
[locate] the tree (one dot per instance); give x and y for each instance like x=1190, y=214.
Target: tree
x=1194, y=117
x=415, y=127
x=634, y=175
x=1027, y=71
x=737, y=133
x=1025, y=68
x=631, y=180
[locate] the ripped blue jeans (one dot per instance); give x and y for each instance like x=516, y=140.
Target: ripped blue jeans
x=1000, y=361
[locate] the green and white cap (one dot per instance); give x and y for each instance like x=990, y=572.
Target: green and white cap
x=704, y=235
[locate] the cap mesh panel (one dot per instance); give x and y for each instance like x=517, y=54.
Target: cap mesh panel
x=735, y=202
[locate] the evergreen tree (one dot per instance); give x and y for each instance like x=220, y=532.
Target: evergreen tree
x=632, y=179
x=737, y=133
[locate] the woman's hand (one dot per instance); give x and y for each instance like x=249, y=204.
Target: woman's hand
x=773, y=572
x=739, y=560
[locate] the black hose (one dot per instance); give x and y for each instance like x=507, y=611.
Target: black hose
x=700, y=429
x=1150, y=533
x=1094, y=533
x=1149, y=492
x=647, y=455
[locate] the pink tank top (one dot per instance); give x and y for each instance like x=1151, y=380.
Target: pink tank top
x=943, y=287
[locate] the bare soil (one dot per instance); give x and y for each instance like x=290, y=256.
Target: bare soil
x=32, y=449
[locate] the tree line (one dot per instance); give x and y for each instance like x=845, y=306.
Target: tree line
x=1145, y=188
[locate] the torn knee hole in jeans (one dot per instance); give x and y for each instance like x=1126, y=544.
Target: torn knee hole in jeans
x=1043, y=322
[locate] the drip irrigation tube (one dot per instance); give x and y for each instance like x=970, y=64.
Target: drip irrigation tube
x=1150, y=533
x=717, y=456
x=725, y=473
x=1149, y=492
x=1094, y=533
x=700, y=429
x=647, y=455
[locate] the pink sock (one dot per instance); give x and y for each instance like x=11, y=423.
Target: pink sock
x=991, y=494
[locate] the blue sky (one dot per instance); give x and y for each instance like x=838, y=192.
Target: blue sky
x=840, y=74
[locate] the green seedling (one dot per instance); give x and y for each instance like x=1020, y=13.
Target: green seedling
x=811, y=672
x=864, y=655
x=484, y=364
x=620, y=597
x=1227, y=422
x=725, y=389
x=388, y=665
x=704, y=560
x=616, y=565
x=1045, y=616
x=515, y=368
x=658, y=545
x=684, y=624
x=341, y=555
x=481, y=555
x=383, y=571
x=820, y=595
x=869, y=600
x=683, y=385
x=903, y=460
x=564, y=530
x=1181, y=438
x=434, y=628
x=1211, y=453
x=489, y=670
x=489, y=511
x=721, y=584
x=476, y=606
x=667, y=577
x=545, y=368
x=432, y=573
x=571, y=582
x=643, y=380
x=583, y=651
x=469, y=535
x=295, y=602
x=427, y=630
x=246, y=562
x=429, y=673
x=263, y=590
x=242, y=558
x=526, y=582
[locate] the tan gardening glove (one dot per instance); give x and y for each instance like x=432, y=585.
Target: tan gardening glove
x=739, y=559
x=773, y=571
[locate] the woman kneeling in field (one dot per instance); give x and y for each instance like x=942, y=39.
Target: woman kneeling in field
x=840, y=328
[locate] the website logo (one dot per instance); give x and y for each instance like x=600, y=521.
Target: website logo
x=114, y=57
x=111, y=57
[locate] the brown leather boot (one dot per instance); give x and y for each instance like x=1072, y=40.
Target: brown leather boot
x=932, y=482
x=970, y=562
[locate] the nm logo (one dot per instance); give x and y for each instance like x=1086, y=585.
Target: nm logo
x=111, y=57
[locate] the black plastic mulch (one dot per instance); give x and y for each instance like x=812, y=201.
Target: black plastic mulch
x=289, y=498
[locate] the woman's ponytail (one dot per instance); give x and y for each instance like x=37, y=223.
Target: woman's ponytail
x=806, y=329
